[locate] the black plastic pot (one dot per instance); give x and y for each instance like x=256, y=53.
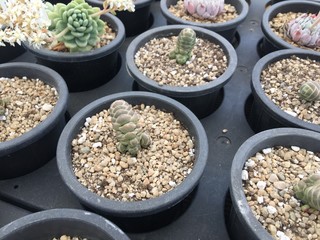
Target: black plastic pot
x=134, y=213
x=134, y=22
x=85, y=70
x=271, y=42
x=201, y=100
x=241, y=222
x=33, y=149
x=9, y=52
x=57, y=222
x=263, y=114
x=276, y=1
x=227, y=29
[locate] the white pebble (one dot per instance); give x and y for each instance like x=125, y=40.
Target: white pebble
x=317, y=159
x=47, y=107
x=260, y=199
x=250, y=163
x=97, y=144
x=82, y=139
x=271, y=209
x=293, y=114
x=244, y=175
x=267, y=150
x=172, y=183
x=282, y=236
x=259, y=156
x=88, y=120
x=3, y=118
x=295, y=148
x=261, y=185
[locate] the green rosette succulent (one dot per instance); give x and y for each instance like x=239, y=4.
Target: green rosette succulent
x=129, y=134
x=308, y=191
x=185, y=43
x=76, y=25
x=310, y=91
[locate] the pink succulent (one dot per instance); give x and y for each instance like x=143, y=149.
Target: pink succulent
x=304, y=30
x=204, y=9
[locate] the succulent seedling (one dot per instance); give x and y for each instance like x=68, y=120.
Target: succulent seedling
x=310, y=91
x=129, y=133
x=185, y=43
x=204, y=9
x=3, y=105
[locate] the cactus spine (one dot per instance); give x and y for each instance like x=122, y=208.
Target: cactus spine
x=308, y=191
x=304, y=30
x=204, y=9
x=310, y=91
x=128, y=132
x=185, y=43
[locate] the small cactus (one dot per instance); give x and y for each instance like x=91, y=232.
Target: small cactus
x=304, y=30
x=185, y=43
x=204, y=9
x=128, y=132
x=3, y=105
x=308, y=191
x=76, y=25
x=310, y=91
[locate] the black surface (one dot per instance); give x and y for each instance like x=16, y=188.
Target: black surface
x=227, y=129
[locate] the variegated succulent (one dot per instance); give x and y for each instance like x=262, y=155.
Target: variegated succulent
x=204, y=9
x=310, y=91
x=129, y=133
x=308, y=191
x=304, y=30
x=185, y=43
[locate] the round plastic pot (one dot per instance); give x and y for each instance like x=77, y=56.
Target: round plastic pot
x=34, y=148
x=241, y=223
x=138, y=209
x=9, y=52
x=85, y=70
x=226, y=29
x=264, y=114
x=134, y=22
x=201, y=100
x=54, y=223
x=272, y=42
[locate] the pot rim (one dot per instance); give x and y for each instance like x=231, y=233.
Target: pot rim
x=52, y=215
x=136, y=208
x=114, y=45
x=244, y=8
x=138, y=3
x=255, y=143
x=176, y=91
x=53, y=118
x=273, y=10
x=259, y=94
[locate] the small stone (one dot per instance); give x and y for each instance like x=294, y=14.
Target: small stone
x=261, y=184
x=271, y=209
x=244, y=175
x=273, y=178
x=295, y=148
x=280, y=185
x=47, y=107
x=267, y=150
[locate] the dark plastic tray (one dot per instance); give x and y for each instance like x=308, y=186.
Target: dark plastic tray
x=227, y=129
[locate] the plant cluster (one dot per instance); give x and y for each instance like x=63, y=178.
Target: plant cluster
x=310, y=91
x=185, y=43
x=129, y=133
x=204, y=9
x=76, y=25
x=304, y=30
x=308, y=191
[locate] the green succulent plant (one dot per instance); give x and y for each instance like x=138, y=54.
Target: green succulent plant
x=308, y=191
x=76, y=24
x=129, y=134
x=3, y=105
x=185, y=43
x=310, y=91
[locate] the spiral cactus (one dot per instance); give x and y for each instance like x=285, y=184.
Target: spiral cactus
x=308, y=191
x=310, y=91
x=204, y=9
x=185, y=43
x=128, y=132
x=76, y=25
x=304, y=30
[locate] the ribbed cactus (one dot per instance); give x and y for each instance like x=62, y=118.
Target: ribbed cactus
x=204, y=9
x=304, y=30
x=76, y=25
x=308, y=191
x=128, y=132
x=185, y=43
x=310, y=91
